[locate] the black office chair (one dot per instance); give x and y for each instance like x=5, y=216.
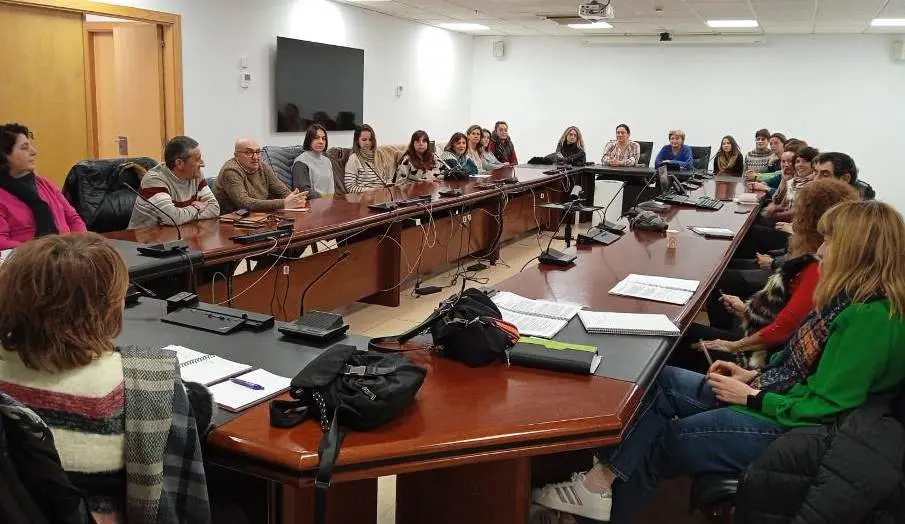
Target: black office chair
x=95, y=189
x=647, y=149
x=701, y=157
x=867, y=192
x=714, y=495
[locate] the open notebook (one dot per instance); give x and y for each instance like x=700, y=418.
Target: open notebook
x=659, y=289
x=196, y=366
x=234, y=397
x=539, y=318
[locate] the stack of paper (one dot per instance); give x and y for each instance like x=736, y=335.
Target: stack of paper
x=539, y=318
x=659, y=289
x=628, y=324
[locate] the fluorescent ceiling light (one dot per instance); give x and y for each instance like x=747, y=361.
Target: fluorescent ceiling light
x=888, y=22
x=463, y=26
x=731, y=24
x=593, y=25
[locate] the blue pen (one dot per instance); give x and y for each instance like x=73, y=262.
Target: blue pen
x=250, y=385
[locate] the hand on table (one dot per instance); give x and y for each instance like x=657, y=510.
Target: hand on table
x=757, y=186
x=296, y=200
x=751, y=175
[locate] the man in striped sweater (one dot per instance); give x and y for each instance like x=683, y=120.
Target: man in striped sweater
x=175, y=190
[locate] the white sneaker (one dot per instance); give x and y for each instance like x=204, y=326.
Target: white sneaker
x=572, y=497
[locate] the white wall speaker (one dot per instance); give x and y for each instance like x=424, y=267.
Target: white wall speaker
x=898, y=51
x=499, y=49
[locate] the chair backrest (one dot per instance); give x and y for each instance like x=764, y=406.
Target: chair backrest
x=95, y=189
x=647, y=149
x=700, y=156
x=867, y=192
x=280, y=159
x=211, y=180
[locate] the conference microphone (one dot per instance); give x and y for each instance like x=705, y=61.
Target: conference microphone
x=164, y=248
x=553, y=256
x=316, y=325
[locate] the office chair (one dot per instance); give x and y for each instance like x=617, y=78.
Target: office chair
x=701, y=157
x=647, y=149
x=867, y=192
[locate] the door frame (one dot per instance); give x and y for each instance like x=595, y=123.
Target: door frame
x=171, y=26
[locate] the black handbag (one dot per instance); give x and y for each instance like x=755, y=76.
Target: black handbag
x=467, y=327
x=346, y=389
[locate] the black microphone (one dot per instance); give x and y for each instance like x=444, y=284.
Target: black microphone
x=612, y=227
x=165, y=248
x=344, y=255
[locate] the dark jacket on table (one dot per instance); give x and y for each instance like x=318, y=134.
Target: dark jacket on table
x=848, y=472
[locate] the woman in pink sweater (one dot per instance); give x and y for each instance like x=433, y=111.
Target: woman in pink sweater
x=30, y=206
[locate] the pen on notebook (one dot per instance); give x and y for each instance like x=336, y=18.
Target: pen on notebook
x=250, y=385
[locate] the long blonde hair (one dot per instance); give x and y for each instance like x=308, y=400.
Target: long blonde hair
x=562, y=138
x=866, y=254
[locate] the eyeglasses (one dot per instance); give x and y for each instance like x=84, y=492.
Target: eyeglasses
x=252, y=152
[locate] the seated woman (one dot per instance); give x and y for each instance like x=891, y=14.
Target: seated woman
x=418, y=163
x=570, y=148
x=777, y=146
x=113, y=412
x=772, y=314
x=729, y=160
x=30, y=206
x=481, y=158
x=455, y=155
x=675, y=154
x=501, y=146
x=780, y=210
x=848, y=348
x=622, y=151
x=366, y=168
x=312, y=171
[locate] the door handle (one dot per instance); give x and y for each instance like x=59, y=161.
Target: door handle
x=123, y=145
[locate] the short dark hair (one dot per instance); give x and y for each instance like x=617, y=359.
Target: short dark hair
x=624, y=126
x=178, y=148
x=311, y=134
x=762, y=133
x=779, y=136
x=807, y=153
x=452, y=141
x=794, y=145
x=9, y=133
x=842, y=164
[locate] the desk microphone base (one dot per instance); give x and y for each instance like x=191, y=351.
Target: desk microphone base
x=316, y=326
x=597, y=236
x=164, y=249
x=556, y=258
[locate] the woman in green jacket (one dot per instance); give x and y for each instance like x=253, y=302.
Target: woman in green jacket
x=849, y=348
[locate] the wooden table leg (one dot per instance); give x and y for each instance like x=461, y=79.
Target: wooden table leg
x=347, y=502
x=489, y=492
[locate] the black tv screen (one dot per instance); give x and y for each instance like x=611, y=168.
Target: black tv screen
x=318, y=83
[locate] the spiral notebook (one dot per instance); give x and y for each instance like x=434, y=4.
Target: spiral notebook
x=628, y=324
x=195, y=366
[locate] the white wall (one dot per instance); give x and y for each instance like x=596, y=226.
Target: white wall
x=433, y=65
x=838, y=92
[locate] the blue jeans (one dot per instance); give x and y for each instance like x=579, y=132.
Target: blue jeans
x=681, y=429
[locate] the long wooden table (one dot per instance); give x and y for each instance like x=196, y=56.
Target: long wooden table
x=463, y=452
x=387, y=249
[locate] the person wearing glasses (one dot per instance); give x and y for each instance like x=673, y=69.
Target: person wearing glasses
x=244, y=182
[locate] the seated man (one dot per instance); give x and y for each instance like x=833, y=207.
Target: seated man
x=245, y=182
x=841, y=166
x=175, y=190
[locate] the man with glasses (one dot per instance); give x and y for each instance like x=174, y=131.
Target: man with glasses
x=245, y=182
x=175, y=191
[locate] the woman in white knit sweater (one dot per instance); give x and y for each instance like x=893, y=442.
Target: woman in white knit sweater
x=365, y=169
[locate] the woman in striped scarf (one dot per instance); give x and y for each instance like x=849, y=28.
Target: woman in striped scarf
x=501, y=144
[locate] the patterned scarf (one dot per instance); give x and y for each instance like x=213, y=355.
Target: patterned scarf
x=165, y=481
x=724, y=161
x=502, y=148
x=802, y=351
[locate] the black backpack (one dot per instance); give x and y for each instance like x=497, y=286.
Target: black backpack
x=346, y=389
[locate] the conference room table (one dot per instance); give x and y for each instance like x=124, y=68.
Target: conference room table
x=464, y=451
x=387, y=249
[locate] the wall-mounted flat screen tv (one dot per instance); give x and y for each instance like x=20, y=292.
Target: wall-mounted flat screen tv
x=318, y=83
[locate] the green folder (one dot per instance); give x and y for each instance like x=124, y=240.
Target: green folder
x=554, y=344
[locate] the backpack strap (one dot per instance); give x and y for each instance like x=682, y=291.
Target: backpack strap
x=327, y=453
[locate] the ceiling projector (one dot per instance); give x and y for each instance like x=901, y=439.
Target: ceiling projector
x=595, y=10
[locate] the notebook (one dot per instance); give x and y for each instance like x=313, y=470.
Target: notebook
x=543, y=356
x=236, y=397
x=628, y=324
x=196, y=366
x=714, y=232
x=539, y=318
x=659, y=289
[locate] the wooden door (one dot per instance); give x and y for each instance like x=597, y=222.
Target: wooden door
x=104, y=85
x=137, y=64
x=43, y=83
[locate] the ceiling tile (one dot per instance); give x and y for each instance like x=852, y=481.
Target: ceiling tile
x=722, y=10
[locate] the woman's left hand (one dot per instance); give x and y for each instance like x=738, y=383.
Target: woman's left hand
x=727, y=346
x=730, y=390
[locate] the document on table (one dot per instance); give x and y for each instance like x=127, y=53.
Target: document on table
x=538, y=308
x=533, y=325
x=234, y=397
x=659, y=289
